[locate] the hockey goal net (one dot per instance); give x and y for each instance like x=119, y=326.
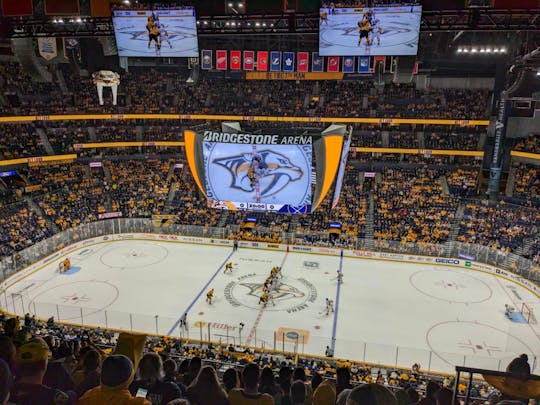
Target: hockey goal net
x=528, y=313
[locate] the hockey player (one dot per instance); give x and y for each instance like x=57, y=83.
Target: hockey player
x=66, y=264
x=339, y=277
x=163, y=34
x=183, y=321
x=364, y=27
x=264, y=299
x=210, y=296
x=228, y=268
x=377, y=31
x=329, y=306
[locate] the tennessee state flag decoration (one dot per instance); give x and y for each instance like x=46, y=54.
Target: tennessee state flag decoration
x=235, y=60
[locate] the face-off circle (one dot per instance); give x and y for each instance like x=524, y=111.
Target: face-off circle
x=291, y=294
x=133, y=255
x=447, y=339
x=451, y=286
x=92, y=296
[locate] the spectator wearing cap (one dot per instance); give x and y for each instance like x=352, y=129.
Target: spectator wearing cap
x=31, y=364
x=6, y=382
x=116, y=376
x=519, y=366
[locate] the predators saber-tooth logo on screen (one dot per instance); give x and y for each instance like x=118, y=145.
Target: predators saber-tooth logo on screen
x=271, y=170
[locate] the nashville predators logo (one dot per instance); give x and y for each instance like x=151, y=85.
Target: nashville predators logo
x=283, y=292
x=289, y=295
x=272, y=171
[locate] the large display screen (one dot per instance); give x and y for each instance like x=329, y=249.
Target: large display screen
x=388, y=31
x=167, y=33
x=265, y=177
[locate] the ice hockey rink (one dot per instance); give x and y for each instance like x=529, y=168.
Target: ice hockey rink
x=180, y=38
x=400, y=32
x=393, y=313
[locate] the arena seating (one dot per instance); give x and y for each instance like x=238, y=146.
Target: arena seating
x=70, y=348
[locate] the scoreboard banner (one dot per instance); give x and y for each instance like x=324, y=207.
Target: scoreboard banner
x=263, y=172
x=267, y=177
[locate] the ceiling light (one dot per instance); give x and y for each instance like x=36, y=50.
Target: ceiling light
x=459, y=50
x=466, y=50
x=230, y=4
x=502, y=50
x=474, y=50
x=240, y=5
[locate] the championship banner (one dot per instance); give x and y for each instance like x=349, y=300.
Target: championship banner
x=221, y=60
x=303, y=62
x=47, y=48
x=262, y=61
x=317, y=62
x=379, y=59
x=206, y=59
x=275, y=61
x=364, y=64
x=348, y=64
x=249, y=60
x=333, y=64
x=288, y=61
x=235, y=60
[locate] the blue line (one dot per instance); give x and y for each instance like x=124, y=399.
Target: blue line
x=200, y=293
x=336, y=309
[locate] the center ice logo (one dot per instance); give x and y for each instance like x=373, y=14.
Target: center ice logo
x=291, y=294
x=274, y=171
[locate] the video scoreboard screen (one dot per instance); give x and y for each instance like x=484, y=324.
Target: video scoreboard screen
x=156, y=33
x=258, y=172
x=379, y=31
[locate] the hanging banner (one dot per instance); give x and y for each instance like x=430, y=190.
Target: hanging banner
x=364, y=64
x=262, y=61
x=235, y=60
x=303, y=62
x=317, y=62
x=249, y=62
x=348, y=64
x=206, y=58
x=341, y=171
x=288, y=61
x=379, y=59
x=275, y=61
x=333, y=64
x=221, y=60
x=47, y=48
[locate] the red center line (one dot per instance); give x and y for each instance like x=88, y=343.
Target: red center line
x=261, y=311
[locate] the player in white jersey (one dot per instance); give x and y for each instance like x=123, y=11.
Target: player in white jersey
x=329, y=306
x=377, y=31
x=339, y=277
x=163, y=33
x=183, y=321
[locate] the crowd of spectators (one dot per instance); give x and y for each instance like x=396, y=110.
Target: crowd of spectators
x=530, y=144
x=19, y=140
x=527, y=184
x=451, y=140
x=67, y=195
x=148, y=91
x=501, y=226
x=133, y=178
x=462, y=182
x=41, y=360
x=20, y=227
x=410, y=207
